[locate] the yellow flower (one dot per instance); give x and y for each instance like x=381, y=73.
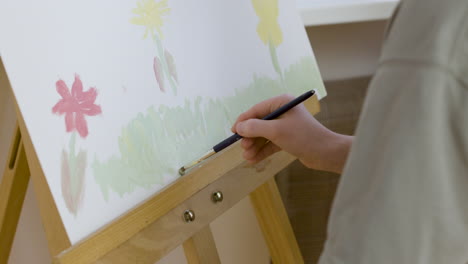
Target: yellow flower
x=150, y=15
x=268, y=28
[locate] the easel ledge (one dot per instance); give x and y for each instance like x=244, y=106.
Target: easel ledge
x=154, y=228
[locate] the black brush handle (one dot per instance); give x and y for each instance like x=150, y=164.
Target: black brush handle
x=273, y=115
x=283, y=109
x=227, y=142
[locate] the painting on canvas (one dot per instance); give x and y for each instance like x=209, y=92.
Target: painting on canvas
x=117, y=95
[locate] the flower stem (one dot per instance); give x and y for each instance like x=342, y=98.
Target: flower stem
x=72, y=164
x=71, y=146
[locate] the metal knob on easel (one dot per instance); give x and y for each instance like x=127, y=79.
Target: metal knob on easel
x=189, y=216
x=217, y=197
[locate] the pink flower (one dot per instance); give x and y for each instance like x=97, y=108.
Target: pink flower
x=76, y=105
x=159, y=74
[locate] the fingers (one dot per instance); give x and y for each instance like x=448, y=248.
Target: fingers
x=262, y=109
x=255, y=145
x=254, y=155
x=253, y=128
x=246, y=143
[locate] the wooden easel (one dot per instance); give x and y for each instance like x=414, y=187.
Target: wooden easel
x=155, y=227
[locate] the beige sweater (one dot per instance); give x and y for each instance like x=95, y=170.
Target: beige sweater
x=403, y=197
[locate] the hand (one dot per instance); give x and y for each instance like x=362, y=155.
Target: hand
x=296, y=132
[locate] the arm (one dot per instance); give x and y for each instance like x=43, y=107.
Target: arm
x=296, y=132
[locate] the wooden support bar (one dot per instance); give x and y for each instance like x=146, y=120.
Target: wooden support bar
x=12, y=192
x=109, y=238
x=201, y=248
x=275, y=225
x=169, y=230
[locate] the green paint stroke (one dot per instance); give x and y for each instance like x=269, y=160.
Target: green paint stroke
x=73, y=176
x=158, y=142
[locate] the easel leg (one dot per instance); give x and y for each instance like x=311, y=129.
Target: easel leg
x=275, y=225
x=55, y=231
x=12, y=192
x=201, y=248
x=57, y=237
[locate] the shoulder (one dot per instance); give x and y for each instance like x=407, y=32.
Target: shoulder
x=431, y=33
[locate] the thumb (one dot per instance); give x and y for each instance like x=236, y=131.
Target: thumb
x=256, y=128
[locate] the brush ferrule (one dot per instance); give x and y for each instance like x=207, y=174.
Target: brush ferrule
x=184, y=169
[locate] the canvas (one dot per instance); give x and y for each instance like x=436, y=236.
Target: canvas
x=117, y=95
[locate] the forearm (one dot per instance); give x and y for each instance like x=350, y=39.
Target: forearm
x=331, y=154
x=338, y=154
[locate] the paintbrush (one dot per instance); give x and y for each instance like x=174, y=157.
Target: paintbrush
x=234, y=138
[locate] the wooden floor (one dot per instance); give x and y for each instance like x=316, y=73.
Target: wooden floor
x=308, y=194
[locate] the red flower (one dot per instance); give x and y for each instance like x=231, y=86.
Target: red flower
x=76, y=105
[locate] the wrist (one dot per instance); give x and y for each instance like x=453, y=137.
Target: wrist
x=330, y=153
x=338, y=153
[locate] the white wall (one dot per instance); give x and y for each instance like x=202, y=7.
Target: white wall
x=347, y=50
